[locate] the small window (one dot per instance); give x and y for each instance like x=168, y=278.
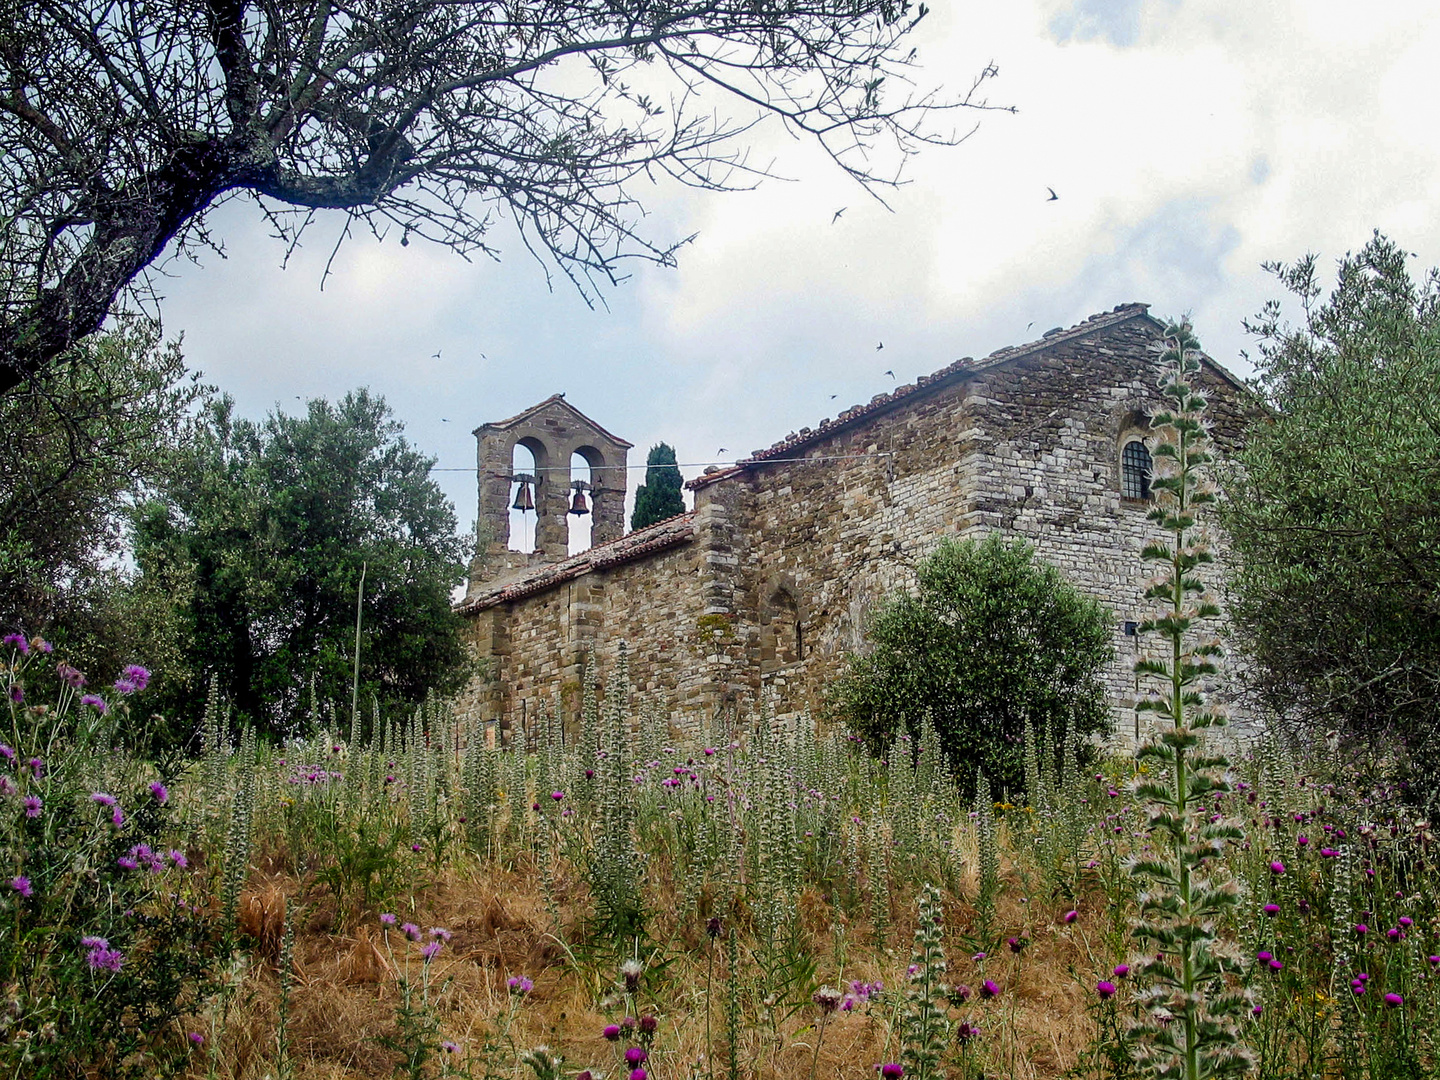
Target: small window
x=1135, y=470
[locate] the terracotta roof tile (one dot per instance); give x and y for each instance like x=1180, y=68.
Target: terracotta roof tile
x=925, y=384
x=657, y=537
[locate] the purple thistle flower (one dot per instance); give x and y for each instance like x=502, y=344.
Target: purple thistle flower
x=891, y=1070
x=1406, y=921
x=136, y=675
x=117, y=817
x=17, y=693
x=18, y=641
x=449, y=1047
x=1271, y=910
x=1361, y=928
x=178, y=858
x=636, y=1055
x=519, y=984
x=1394, y=1000
x=124, y=687
x=1258, y=1010
x=430, y=951
x=94, y=943
x=32, y=806
x=557, y=795
x=387, y=919
x=1264, y=957
x=7, y=786
x=125, y=862
x=105, y=959
x=69, y=676
x=22, y=886
x=638, y=1073
x=988, y=989
x=439, y=933
x=43, y=645
x=1105, y=989
x=1277, y=867
x=1122, y=970
x=101, y=798
x=160, y=791
x=6, y=752
x=648, y=1023
x=1071, y=916
x=37, y=767
x=612, y=1032
x=196, y=1038
x=410, y=930
x=96, y=701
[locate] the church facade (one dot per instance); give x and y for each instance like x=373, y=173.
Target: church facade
x=767, y=584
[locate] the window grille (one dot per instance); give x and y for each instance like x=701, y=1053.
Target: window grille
x=1135, y=471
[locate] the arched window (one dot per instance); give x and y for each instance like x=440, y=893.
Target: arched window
x=782, y=639
x=1136, y=467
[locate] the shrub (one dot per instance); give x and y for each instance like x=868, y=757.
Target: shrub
x=991, y=640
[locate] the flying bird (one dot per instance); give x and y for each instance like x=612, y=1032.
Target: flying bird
x=435, y=355
x=1029, y=324
x=723, y=450
x=444, y=419
x=834, y=396
x=1053, y=196
x=880, y=346
x=837, y=214
x=891, y=374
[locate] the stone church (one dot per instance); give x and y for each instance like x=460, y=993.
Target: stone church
x=766, y=585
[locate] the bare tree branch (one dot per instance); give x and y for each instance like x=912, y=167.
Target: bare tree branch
x=122, y=123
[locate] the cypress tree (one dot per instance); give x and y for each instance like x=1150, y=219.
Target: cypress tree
x=659, y=497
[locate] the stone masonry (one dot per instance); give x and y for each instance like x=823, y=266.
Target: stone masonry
x=767, y=584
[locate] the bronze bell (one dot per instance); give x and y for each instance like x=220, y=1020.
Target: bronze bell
x=523, y=499
x=577, y=504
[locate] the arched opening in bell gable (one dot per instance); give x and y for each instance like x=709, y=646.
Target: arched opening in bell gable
x=526, y=461
x=580, y=502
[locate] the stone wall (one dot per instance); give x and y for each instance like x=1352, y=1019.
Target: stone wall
x=791, y=550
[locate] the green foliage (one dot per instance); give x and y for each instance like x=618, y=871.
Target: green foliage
x=78, y=445
x=659, y=497
x=990, y=640
x=271, y=525
x=1189, y=1026
x=107, y=933
x=1331, y=506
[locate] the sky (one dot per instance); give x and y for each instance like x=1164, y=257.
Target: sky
x=1189, y=142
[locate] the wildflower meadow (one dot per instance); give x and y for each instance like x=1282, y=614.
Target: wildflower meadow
x=758, y=900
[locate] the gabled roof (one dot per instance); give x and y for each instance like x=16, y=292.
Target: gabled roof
x=962, y=369
x=657, y=537
x=553, y=399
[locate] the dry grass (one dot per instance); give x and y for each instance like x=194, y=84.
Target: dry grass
x=345, y=993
